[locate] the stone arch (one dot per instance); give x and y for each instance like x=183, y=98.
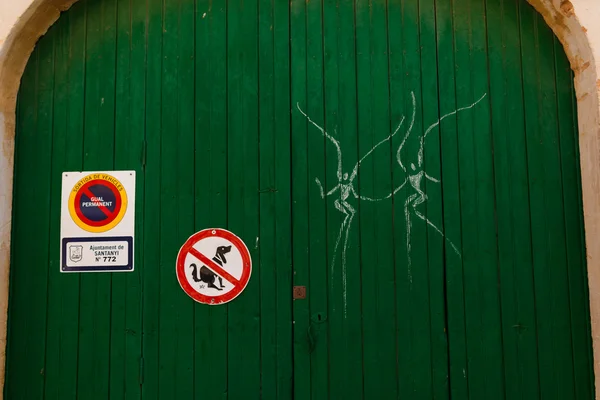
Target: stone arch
x=23, y=22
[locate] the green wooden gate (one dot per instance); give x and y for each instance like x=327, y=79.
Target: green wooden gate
x=442, y=259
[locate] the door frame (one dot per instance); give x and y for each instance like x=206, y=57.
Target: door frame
x=573, y=22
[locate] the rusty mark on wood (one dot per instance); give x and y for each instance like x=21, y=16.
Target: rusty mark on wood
x=299, y=292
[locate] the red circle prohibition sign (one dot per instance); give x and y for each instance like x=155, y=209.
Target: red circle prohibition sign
x=238, y=284
x=110, y=215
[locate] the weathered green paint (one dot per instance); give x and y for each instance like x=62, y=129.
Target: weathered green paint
x=201, y=99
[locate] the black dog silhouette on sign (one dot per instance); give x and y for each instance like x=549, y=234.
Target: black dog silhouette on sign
x=206, y=275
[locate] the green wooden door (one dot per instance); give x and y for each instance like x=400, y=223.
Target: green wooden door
x=413, y=164
x=443, y=259
x=168, y=89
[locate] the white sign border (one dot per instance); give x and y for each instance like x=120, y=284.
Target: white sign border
x=124, y=230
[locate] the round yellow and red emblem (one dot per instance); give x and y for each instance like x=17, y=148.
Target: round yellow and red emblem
x=98, y=202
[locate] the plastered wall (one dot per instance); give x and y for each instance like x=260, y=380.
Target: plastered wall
x=575, y=22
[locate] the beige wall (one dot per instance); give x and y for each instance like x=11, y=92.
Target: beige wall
x=575, y=22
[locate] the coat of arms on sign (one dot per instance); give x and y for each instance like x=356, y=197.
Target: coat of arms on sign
x=75, y=253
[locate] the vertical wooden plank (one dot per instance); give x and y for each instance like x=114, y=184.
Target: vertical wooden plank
x=126, y=329
x=243, y=190
x=439, y=246
x=526, y=324
x=170, y=306
x=413, y=204
x=60, y=381
x=274, y=248
x=345, y=357
x=514, y=230
x=63, y=289
x=17, y=319
x=95, y=305
x=455, y=312
x=497, y=59
x=469, y=187
x=531, y=97
x=410, y=230
x=31, y=229
x=300, y=130
x=152, y=202
x=37, y=220
x=310, y=252
x=71, y=306
x=177, y=199
x=398, y=97
x=557, y=243
x=40, y=223
x=488, y=248
x=468, y=199
x=138, y=158
x=59, y=141
x=185, y=189
x=317, y=340
x=118, y=358
x=547, y=214
x=211, y=183
x=576, y=266
x=283, y=202
x=347, y=294
x=484, y=342
x=266, y=243
x=373, y=181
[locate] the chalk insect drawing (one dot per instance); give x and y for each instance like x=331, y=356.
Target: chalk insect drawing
x=414, y=177
x=415, y=180
x=345, y=185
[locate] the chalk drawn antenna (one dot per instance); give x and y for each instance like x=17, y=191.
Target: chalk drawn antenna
x=355, y=170
x=420, y=155
x=321, y=191
x=408, y=132
x=328, y=136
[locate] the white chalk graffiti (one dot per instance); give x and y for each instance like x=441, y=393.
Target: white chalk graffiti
x=414, y=178
x=345, y=185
